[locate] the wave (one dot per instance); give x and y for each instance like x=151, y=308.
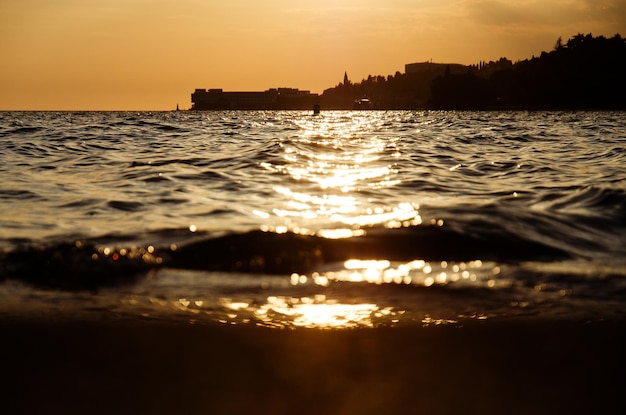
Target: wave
x=18, y=194
x=561, y=198
x=88, y=264
x=21, y=130
x=593, y=199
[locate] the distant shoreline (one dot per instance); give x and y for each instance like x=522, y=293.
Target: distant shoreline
x=497, y=109
x=583, y=73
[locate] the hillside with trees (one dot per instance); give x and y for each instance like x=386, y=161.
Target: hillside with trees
x=585, y=72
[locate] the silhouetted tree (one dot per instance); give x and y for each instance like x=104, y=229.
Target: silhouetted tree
x=587, y=72
x=460, y=91
x=584, y=72
x=559, y=44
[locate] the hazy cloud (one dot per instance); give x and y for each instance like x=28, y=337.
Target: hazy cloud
x=548, y=13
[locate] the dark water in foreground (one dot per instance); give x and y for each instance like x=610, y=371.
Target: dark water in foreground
x=284, y=219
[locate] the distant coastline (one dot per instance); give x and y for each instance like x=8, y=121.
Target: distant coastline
x=272, y=99
x=586, y=72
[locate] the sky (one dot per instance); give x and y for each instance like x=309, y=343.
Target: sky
x=152, y=54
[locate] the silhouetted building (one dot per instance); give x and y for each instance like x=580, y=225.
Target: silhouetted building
x=272, y=99
x=425, y=67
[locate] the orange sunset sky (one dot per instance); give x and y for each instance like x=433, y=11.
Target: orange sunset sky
x=151, y=54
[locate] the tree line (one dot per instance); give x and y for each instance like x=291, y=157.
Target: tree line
x=586, y=72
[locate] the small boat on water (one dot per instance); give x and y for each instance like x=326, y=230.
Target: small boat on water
x=362, y=104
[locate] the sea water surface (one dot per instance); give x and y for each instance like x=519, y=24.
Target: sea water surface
x=285, y=219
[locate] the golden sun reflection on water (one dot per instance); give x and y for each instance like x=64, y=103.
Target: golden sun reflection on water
x=333, y=163
x=344, y=296
x=320, y=311
x=310, y=312
x=417, y=272
x=315, y=312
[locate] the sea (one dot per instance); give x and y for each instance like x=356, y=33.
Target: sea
x=290, y=220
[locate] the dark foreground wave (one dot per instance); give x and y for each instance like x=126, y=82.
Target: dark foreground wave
x=90, y=264
x=500, y=232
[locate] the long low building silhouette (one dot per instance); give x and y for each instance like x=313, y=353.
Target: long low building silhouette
x=272, y=99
